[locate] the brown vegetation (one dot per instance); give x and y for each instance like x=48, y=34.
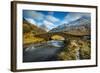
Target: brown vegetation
x=74, y=46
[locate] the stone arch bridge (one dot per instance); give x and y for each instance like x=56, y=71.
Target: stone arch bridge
x=48, y=36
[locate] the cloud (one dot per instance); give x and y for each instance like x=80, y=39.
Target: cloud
x=33, y=14
x=50, y=12
x=52, y=18
x=74, y=16
x=32, y=21
x=39, y=23
x=38, y=15
x=49, y=25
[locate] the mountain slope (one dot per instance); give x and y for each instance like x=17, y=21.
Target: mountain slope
x=28, y=27
x=79, y=27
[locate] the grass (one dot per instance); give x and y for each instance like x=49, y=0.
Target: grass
x=69, y=52
x=28, y=38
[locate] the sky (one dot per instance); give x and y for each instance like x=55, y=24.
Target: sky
x=52, y=19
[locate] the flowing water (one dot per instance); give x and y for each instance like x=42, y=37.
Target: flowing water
x=43, y=51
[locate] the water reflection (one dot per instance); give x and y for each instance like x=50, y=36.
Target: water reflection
x=43, y=51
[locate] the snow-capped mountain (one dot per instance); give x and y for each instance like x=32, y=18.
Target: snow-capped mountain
x=80, y=25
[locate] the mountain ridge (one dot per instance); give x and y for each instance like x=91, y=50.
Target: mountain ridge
x=80, y=26
x=27, y=27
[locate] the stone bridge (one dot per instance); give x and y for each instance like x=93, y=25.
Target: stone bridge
x=48, y=36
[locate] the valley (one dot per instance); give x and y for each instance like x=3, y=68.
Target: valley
x=61, y=43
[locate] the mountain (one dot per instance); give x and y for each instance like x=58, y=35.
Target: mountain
x=78, y=27
x=47, y=25
x=43, y=26
x=28, y=27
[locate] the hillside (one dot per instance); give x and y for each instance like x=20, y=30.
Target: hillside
x=28, y=27
x=29, y=30
x=78, y=27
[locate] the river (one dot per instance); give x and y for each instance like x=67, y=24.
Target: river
x=43, y=51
